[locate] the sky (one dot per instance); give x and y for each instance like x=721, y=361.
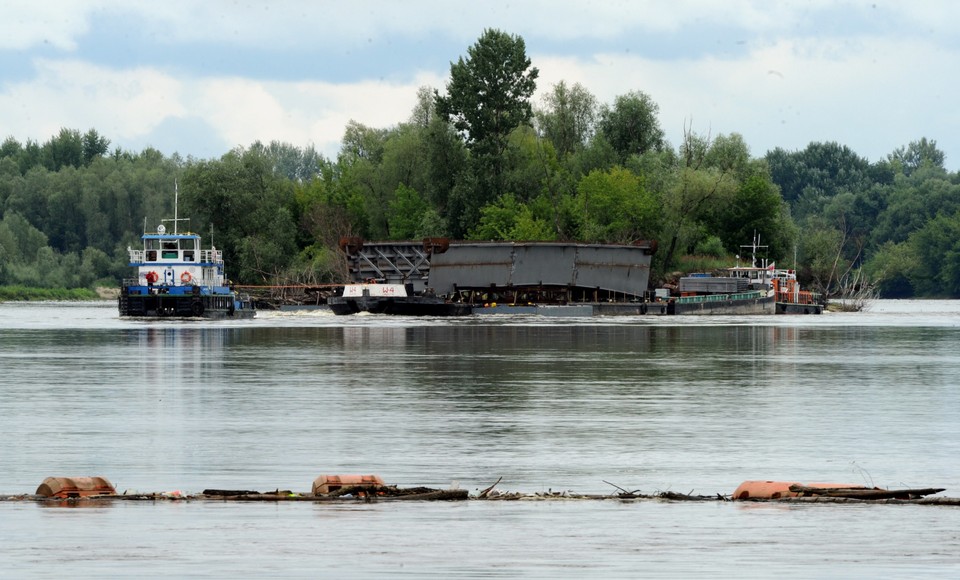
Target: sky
x=202, y=77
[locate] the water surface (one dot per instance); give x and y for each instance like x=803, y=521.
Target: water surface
x=650, y=403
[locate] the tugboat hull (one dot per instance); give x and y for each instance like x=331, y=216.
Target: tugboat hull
x=183, y=306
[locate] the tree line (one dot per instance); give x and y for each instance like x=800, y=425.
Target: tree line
x=481, y=160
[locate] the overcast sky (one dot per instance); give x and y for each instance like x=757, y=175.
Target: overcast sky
x=201, y=77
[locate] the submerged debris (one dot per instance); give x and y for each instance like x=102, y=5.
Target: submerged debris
x=370, y=488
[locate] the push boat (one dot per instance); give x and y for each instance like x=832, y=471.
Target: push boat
x=176, y=278
x=398, y=299
x=759, y=288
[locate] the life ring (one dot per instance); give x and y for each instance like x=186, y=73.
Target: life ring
x=186, y=277
x=152, y=278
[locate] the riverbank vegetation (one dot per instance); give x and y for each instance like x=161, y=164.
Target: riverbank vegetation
x=482, y=159
x=22, y=294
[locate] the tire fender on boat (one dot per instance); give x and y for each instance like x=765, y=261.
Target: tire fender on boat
x=197, y=308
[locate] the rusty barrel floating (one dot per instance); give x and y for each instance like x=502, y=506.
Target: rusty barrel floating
x=330, y=483
x=761, y=489
x=70, y=487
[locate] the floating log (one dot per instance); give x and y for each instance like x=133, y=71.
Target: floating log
x=228, y=492
x=863, y=493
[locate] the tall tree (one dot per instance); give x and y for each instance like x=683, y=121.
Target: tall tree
x=918, y=154
x=817, y=173
x=631, y=125
x=94, y=145
x=568, y=116
x=488, y=96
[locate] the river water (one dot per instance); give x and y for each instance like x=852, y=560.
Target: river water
x=683, y=404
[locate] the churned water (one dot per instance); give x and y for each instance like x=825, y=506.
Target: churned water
x=647, y=403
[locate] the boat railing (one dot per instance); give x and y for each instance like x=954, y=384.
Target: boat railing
x=798, y=297
x=719, y=297
x=206, y=256
x=211, y=256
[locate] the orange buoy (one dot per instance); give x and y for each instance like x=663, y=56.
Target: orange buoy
x=186, y=277
x=328, y=483
x=67, y=487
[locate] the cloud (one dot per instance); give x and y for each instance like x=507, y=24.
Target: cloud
x=300, y=113
x=25, y=23
x=873, y=76
x=129, y=105
x=861, y=92
x=78, y=95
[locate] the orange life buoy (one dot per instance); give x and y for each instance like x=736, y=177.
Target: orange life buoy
x=186, y=277
x=152, y=277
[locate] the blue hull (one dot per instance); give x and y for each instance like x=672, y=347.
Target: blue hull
x=162, y=302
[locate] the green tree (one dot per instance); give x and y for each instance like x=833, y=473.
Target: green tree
x=509, y=219
x=488, y=96
x=94, y=145
x=911, y=202
x=631, y=125
x=407, y=210
x=615, y=207
x=922, y=153
x=892, y=267
x=567, y=117
x=936, y=247
x=817, y=173
x=249, y=210
x=64, y=150
x=690, y=199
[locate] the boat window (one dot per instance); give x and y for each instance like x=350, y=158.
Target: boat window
x=188, y=256
x=151, y=255
x=170, y=255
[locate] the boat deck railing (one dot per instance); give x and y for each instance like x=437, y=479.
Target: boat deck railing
x=206, y=256
x=719, y=297
x=800, y=297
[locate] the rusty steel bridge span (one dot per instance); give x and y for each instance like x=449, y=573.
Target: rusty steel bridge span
x=542, y=272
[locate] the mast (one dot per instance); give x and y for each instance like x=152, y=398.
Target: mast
x=176, y=205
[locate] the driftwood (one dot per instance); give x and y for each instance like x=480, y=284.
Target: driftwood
x=229, y=492
x=624, y=494
x=863, y=493
x=360, y=493
x=486, y=492
x=673, y=496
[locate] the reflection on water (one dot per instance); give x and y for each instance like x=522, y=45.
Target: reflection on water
x=649, y=404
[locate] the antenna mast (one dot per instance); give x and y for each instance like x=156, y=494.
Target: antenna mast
x=176, y=204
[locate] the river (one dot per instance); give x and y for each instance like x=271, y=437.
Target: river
x=681, y=404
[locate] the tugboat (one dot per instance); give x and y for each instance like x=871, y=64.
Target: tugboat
x=176, y=278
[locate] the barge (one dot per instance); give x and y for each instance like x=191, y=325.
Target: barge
x=393, y=299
